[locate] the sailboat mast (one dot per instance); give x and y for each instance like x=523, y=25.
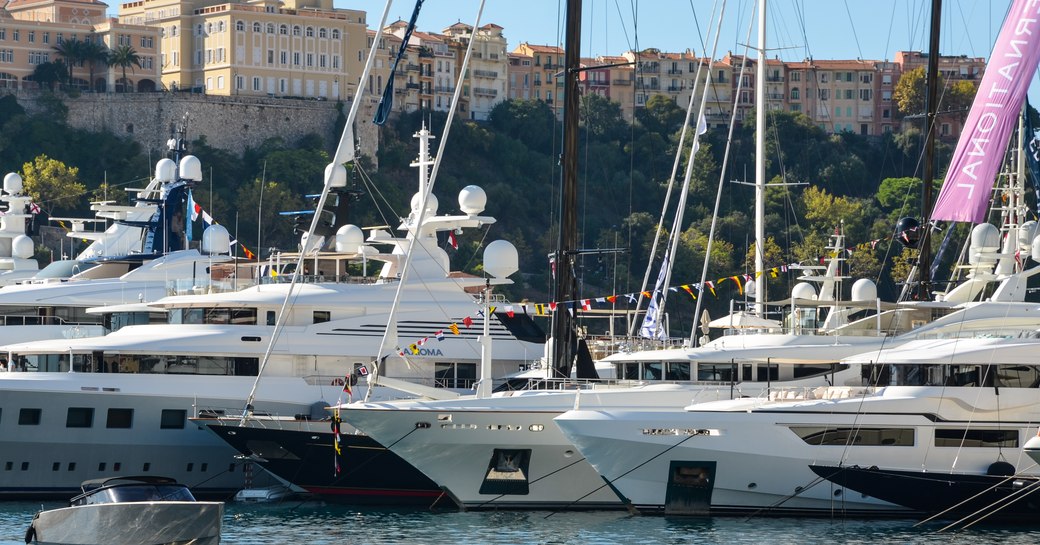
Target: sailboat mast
x=931, y=106
x=760, y=163
x=563, y=339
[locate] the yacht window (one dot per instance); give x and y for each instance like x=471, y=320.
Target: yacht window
x=746, y=372
x=29, y=417
x=859, y=437
x=975, y=437
x=652, y=370
x=25, y=466
x=80, y=417
x=678, y=370
x=455, y=375
x=173, y=419
x=8, y=466
x=55, y=466
x=101, y=466
x=628, y=370
x=1018, y=376
x=768, y=371
x=243, y=316
x=218, y=316
x=322, y=316
x=272, y=316
x=802, y=371
x=722, y=372
x=120, y=418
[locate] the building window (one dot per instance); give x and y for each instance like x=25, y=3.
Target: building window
x=296, y=59
x=3, y=33
x=120, y=418
x=323, y=33
x=173, y=419
x=270, y=28
x=335, y=61
x=79, y=417
x=270, y=56
x=335, y=34
x=283, y=30
x=257, y=27
x=310, y=32
x=284, y=57
x=32, y=36
x=240, y=82
x=6, y=55
x=38, y=57
x=296, y=30
x=46, y=37
x=241, y=26
x=29, y=417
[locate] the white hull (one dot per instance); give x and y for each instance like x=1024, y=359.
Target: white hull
x=760, y=463
x=458, y=446
x=138, y=523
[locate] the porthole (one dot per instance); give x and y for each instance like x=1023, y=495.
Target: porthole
x=837, y=493
x=752, y=486
x=568, y=453
x=537, y=427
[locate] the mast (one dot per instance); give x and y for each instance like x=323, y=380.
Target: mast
x=760, y=164
x=931, y=106
x=565, y=289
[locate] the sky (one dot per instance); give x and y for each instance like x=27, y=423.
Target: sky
x=796, y=29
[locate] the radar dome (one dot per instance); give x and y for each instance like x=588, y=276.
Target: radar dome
x=1027, y=232
x=1034, y=250
x=216, y=240
x=984, y=238
x=472, y=200
x=335, y=175
x=165, y=170
x=803, y=290
x=501, y=259
x=864, y=289
x=908, y=232
x=431, y=203
x=191, y=168
x=22, y=247
x=349, y=239
x=13, y=183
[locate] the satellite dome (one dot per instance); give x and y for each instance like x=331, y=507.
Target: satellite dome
x=165, y=170
x=335, y=175
x=1034, y=250
x=803, y=290
x=216, y=240
x=864, y=289
x=13, y=183
x=472, y=200
x=1027, y=232
x=191, y=168
x=501, y=259
x=431, y=203
x=22, y=247
x=985, y=238
x=349, y=239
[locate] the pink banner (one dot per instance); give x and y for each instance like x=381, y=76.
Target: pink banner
x=966, y=192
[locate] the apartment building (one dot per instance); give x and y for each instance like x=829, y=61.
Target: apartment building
x=520, y=76
x=951, y=68
x=487, y=78
x=301, y=48
x=547, y=63
x=30, y=30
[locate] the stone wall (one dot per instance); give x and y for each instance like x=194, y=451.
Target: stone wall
x=230, y=123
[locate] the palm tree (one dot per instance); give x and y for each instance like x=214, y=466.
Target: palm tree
x=71, y=52
x=124, y=56
x=94, y=53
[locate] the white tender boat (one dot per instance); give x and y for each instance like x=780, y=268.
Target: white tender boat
x=130, y=511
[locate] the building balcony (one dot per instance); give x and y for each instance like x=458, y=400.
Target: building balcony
x=481, y=91
x=411, y=67
x=485, y=74
x=651, y=67
x=621, y=81
x=675, y=88
x=411, y=85
x=775, y=96
x=537, y=83
x=651, y=86
x=775, y=79
x=444, y=89
x=675, y=72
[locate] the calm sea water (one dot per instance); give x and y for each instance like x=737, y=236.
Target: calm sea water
x=318, y=524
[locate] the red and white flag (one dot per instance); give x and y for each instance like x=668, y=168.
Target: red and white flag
x=451, y=240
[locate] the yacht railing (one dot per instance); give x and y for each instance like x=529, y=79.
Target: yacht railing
x=807, y=393
x=14, y=320
x=325, y=279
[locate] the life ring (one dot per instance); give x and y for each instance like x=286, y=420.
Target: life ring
x=337, y=382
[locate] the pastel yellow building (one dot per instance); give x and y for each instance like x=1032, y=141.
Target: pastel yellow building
x=30, y=31
x=290, y=48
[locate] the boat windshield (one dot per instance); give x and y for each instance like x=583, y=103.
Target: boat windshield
x=64, y=269
x=136, y=493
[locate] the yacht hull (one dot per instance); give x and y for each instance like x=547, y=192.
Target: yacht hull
x=137, y=523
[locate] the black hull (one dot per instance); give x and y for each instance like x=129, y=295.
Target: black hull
x=369, y=474
x=954, y=495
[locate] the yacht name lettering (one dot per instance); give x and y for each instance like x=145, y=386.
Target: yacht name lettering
x=675, y=431
x=431, y=352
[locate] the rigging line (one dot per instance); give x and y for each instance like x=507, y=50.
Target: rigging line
x=346, y=144
x=722, y=178
x=996, y=506
x=373, y=191
x=675, y=169
x=855, y=37
x=421, y=214
x=966, y=500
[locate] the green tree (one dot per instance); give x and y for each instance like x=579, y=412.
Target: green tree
x=52, y=184
x=49, y=74
x=909, y=92
x=95, y=54
x=601, y=117
x=661, y=115
x=529, y=121
x=125, y=56
x=71, y=52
